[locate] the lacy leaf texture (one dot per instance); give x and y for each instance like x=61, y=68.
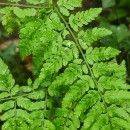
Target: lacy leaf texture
x=78, y=85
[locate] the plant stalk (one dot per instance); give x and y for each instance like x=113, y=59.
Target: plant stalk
x=23, y=5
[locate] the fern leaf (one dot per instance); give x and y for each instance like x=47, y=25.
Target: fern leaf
x=6, y=79
x=113, y=83
x=117, y=97
x=30, y=87
x=10, y=22
x=94, y=113
x=36, y=122
x=14, y=0
x=29, y=105
x=86, y=102
x=10, y=125
x=22, y=13
x=4, y=94
x=37, y=95
x=101, y=121
x=61, y=123
x=91, y=35
x=83, y=18
x=85, y=69
x=14, y=16
x=118, y=123
x=107, y=69
x=25, y=89
x=75, y=92
x=9, y=114
x=36, y=83
x=14, y=90
x=67, y=78
x=66, y=5
x=49, y=125
x=119, y=113
x=6, y=105
x=100, y=54
x=35, y=2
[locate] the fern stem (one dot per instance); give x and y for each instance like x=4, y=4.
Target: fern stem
x=23, y=5
x=45, y=106
x=22, y=95
x=10, y=98
x=88, y=66
x=15, y=114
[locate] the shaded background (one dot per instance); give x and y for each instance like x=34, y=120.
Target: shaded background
x=115, y=16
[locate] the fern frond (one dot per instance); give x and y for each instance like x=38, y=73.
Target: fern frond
x=77, y=85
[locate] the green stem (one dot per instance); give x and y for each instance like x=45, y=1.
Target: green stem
x=17, y=96
x=45, y=108
x=15, y=114
x=11, y=98
x=80, y=49
x=23, y=5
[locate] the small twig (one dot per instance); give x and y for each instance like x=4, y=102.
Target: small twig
x=23, y=5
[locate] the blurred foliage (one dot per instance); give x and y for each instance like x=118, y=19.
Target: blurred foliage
x=18, y=68
x=8, y=53
x=116, y=17
x=3, y=33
